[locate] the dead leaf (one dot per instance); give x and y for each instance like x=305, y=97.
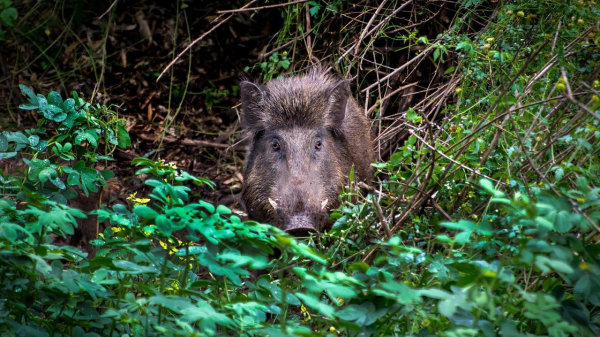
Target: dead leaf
x=144, y=28
x=124, y=58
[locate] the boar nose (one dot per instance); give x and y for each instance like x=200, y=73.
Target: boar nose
x=300, y=225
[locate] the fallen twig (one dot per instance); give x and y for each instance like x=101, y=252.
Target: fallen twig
x=243, y=9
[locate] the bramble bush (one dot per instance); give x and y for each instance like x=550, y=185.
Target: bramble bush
x=509, y=243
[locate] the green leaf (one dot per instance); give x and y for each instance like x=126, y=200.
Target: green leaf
x=55, y=99
x=123, y=136
x=312, y=302
x=164, y=224
x=582, y=184
x=6, y=155
x=9, y=16
x=351, y=313
x=25, y=91
x=86, y=135
x=107, y=174
x=34, y=140
x=223, y=210
x=144, y=211
x=563, y=222
x=3, y=143
x=56, y=181
x=412, y=116
x=447, y=307
x=583, y=287
x=314, y=8
x=47, y=174
x=489, y=187
x=546, y=265
x=559, y=172
x=9, y=231
x=449, y=70
x=435, y=293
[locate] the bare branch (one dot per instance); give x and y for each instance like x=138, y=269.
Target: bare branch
x=243, y=9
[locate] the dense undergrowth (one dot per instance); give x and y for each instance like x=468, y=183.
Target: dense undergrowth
x=482, y=222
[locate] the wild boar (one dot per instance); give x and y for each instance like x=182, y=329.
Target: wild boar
x=306, y=132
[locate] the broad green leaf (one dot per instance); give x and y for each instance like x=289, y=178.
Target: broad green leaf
x=47, y=174
x=55, y=99
x=123, y=137
x=6, y=155
x=412, y=116
x=435, y=293
x=9, y=16
x=25, y=91
x=34, y=140
x=563, y=222
x=223, y=210
x=447, y=307
x=312, y=302
x=56, y=181
x=489, y=187
x=583, y=287
x=86, y=135
x=144, y=211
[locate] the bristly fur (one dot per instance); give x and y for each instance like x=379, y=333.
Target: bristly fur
x=291, y=101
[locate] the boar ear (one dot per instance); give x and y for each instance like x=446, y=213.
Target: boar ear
x=252, y=106
x=338, y=98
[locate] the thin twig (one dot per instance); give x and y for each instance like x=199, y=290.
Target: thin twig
x=287, y=44
x=390, y=95
x=378, y=209
x=452, y=160
x=364, y=31
x=384, y=21
x=555, y=37
x=244, y=9
x=420, y=23
x=569, y=95
x=404, y=66
x=109, y=9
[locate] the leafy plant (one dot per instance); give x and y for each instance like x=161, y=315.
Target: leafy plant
x=8, y=16
x=273, y=67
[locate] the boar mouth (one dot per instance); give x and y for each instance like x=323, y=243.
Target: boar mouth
x=300, y=225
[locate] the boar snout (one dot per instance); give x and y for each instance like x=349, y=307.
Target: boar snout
x=299, y=214
x=301, y=225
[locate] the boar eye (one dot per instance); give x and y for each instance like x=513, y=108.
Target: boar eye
x=275, y=145
x=318, y=145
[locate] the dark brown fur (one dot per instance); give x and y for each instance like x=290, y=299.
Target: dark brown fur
x=306, y=133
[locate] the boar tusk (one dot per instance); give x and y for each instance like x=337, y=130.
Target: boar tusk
x=324, y=203
x=273, y=203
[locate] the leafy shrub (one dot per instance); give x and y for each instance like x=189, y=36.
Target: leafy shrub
x=8, y=16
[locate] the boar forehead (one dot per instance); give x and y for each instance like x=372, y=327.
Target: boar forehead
x=297, y=102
